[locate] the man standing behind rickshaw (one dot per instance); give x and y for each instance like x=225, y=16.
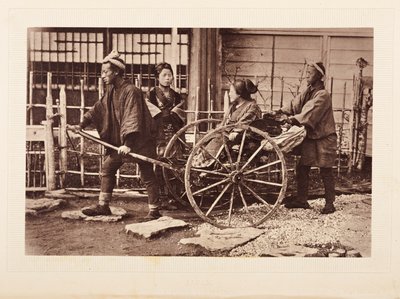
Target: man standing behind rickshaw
x=313, y=109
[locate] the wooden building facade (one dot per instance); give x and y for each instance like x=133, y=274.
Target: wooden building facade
x=205, y=60
x=276, y=60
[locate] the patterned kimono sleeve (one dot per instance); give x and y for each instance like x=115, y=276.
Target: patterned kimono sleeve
x=252, y=113
x=313, y=111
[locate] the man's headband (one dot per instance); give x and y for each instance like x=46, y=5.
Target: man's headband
x=113, y=58
x=317, y=67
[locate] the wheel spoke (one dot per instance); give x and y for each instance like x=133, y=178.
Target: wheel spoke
x=255, y=194
x=179, y=178
x=228, y=153
x=262, y=167
x=184, y=143
x=245, y=205
x=211, y=186
x=176, y=177
x=183, y=194
x=264, y=183
x=218, y=198
x=214, y=158
x=241, y=149
x=269, y=172
x=254, y=154
x=209, y=171
x=172, y=179
x=201, y=200
x=231, y=205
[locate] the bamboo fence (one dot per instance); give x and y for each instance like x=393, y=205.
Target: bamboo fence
x=58, y=177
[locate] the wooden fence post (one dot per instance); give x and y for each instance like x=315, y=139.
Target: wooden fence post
x=30, y=98
x=196, y=112
x=226, y=102
x=282, y=87
x=210, y=102
x=101, y=88
x=101, y=148
x=351, y=133
x=82, y=163
x=29, y=155
x=139, y=78
x=63, y=134
x=49, y=139
x=356, y=117
x=174, y=50
x=341, y=127
x=357, y=102
x=365, y=105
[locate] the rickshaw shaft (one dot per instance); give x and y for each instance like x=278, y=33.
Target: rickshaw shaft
x=134, y=155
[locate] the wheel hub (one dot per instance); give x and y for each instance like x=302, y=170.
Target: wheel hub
x=236, y=177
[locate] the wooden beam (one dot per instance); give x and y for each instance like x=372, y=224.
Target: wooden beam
x=194, y=67
x=49, y=139
x=360, y=32
x=63, y=134
x=82, y=110
x=203, y=67
x=219, y=100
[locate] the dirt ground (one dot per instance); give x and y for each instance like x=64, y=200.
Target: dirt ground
x=49, y=234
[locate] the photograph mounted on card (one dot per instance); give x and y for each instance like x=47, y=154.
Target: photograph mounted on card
x=217, y=142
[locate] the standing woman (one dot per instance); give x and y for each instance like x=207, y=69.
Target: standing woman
x=168, y=101
x=172, y=117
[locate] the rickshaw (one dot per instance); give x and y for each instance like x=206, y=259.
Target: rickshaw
x=246, y=180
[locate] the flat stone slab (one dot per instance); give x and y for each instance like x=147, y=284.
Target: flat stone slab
x=117, y=214
x=293, y=250
x=223, y=239
x=154, y=227
x=35, y=206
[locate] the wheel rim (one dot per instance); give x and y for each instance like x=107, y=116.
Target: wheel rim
x=174, y=181
x=245, y=178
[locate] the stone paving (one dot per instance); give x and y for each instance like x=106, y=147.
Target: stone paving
x=34, y=207
x=117, y=214
x=152, y=228
x=214, y=239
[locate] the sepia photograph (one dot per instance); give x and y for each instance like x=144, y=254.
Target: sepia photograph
x=199, y=142
x=209, y=150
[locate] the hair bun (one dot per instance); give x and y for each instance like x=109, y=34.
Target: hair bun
x=250, y=86
x=160, y=66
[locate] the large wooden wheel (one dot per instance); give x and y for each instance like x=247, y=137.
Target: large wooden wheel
x=177, y=152
x=245, y=182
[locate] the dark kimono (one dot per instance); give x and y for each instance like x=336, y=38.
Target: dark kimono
x=122, y=118
x=313, y=109
x=170, y=121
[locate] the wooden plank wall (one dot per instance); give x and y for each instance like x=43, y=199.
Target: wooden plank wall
x=275, y=58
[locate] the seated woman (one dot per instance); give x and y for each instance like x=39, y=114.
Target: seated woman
x=243, y=109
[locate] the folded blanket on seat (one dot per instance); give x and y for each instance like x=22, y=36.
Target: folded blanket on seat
x=289, y=139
